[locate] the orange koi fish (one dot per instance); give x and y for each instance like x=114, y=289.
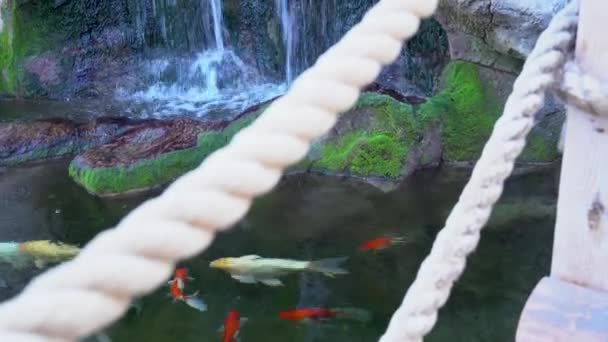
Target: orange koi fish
x=307, y=313
x=232, y=324
x=181, y=276
x=192, y=300
x=381, y=243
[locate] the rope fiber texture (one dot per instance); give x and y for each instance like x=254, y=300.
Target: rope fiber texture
x=79, y=297
x=460, y=236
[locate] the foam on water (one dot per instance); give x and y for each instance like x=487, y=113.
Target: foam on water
x=213, y=82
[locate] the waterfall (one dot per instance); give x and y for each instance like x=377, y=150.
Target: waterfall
x=308, y=28
x=1, y=23
x=193, y=70
x=216, y=12
x=282, y=12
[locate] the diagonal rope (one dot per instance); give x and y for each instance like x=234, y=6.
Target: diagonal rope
x=86, y=294
x=447, y=260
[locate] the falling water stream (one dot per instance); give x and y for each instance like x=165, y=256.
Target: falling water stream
x=282, y=12
x=213, y=80
x=218, y=27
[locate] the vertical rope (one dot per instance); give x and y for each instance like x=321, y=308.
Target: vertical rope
x=447, y=260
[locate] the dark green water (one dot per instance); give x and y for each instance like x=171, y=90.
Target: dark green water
x=310, y=217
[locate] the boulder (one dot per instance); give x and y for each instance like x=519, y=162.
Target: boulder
x=383, y=137
x=495, y=33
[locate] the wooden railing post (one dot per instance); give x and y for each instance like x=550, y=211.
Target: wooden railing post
x=572, y=304
x=580, y=250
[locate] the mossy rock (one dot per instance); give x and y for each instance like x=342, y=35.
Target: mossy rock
x=148, y=159
x=468, y=108
x=374, y=139
x=471, y=99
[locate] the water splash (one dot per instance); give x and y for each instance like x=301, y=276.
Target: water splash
x=211, y=81
x=215, y=82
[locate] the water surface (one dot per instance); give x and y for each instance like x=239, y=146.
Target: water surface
x=310, y=217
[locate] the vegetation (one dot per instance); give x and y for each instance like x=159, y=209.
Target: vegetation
x=467, y=112
x=379, y=149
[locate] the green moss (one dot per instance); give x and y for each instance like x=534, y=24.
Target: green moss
x=364, y=154
x=7, y=55
x=160, y=170
x=380, y=155
x=467, y=111
x=540, y=149
x=143, y=174
x=28, y=30
x=335, y=155
x=380, y=149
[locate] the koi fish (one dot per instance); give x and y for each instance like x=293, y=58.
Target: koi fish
x=251, y=269
x=232, y=325
x=306, y=314
x=303, y=314
x=39, y=252
x=181, y=277
x=381, y=243
x=192, y=300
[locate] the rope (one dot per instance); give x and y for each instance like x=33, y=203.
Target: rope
x=583, y=90
x=446, y=262
x=94, y=289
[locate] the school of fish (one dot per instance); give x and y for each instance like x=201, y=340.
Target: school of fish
x=247, y=269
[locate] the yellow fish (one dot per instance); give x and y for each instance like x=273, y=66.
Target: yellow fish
x=251, y=269
x=45, y=251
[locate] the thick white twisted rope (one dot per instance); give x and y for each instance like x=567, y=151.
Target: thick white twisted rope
x=446, y=262
x=91, y=291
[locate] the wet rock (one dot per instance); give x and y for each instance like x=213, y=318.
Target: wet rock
x=46, y=68
x=380, y=138
x=57, y=137
x=20, y=142
x=499, y=34
x=52, y=138
x=152, y=154
x=395, y=93
x=383, y=137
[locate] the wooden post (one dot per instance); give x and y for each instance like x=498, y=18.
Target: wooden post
x=580, y=250
x=572, y=304
x=558, y=311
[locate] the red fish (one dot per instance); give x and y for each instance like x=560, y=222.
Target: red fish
x=381, y=243
x=181, y=276
x=232, y=324
x=192, y=300
x=307, y=313
x=176, y=291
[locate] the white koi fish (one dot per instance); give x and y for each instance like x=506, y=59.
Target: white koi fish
x=251, y=269
x=41, y=253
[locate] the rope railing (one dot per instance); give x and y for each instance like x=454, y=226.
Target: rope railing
x=86, y=294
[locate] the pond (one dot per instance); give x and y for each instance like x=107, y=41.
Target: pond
x=310, y=217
